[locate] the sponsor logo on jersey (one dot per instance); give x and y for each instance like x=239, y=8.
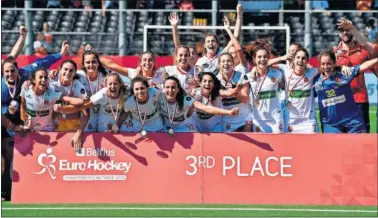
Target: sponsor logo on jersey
x=333, y=101
x=203, y=115
x=230, y=101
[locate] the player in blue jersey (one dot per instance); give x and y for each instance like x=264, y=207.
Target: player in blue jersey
x=338, y=111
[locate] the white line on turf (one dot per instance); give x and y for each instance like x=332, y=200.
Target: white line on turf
x=189, y=208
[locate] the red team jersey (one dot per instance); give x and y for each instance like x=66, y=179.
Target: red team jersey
x=356, y=55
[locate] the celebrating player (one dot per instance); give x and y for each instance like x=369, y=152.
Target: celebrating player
x=338, y=111
x=234, y=80
x=209, y=61
x=92, y=76
x=177, y=108
x=300, y=104
x=208, y=94
x=38, y=99
x=174, y=20
x=144, y=108
x=182, y=69
x=264, y=82
x=110, y=101
x=146, y=68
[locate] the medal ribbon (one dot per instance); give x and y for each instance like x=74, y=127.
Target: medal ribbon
x=169, y=113
x=142, y=121
x=98, y=84
x=257, y=85
x=295, y=84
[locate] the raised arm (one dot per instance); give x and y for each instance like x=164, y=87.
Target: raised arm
x=110, y=64
x=368, y=64
x=347, y=24
x=73, y=101
x=239, y=20
x=17, y=48
x=274, y=61
x=45, y=62
x=235, y=42
x=174, y=19
x=214, y=110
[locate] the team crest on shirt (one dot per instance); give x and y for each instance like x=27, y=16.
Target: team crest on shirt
x=245, y=77
x=188, y=98
x=305, y=79
x=82, y=91
x=228, y=126
x=273, y=79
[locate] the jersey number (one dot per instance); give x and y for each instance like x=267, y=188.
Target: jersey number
x=330, y=93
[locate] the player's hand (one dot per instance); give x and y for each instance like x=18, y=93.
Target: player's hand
x=343, y=23
x=173, y=18
x=85, y=99
x=58, y=108
x=65, y=47
x=226, y=23
x=164, y=76
x=77, y=141
x=239, y=9
x=346, y=71
x=53, y=74
x=139, y=71
x=23, y=31
x=88, y=47
x=234, y=112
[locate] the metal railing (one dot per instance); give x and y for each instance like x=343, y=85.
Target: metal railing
x=121, y=13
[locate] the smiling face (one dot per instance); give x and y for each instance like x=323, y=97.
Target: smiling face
x=147, y=62
x=91, y=64
x=226, y=63
x=326, y=64
x=207, y=85
x=261, y=59
x=10, y=72
x=67, y=72
x=211, y=45
x=170, y=90
x=140, y=91
x=113, y=85
x=41, y=80
x=345, y=36
x=182, y=57
x=300, y=60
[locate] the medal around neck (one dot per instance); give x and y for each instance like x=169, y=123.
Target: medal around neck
x=171, y=132
x=115, y=128
x=13, y=107
x=64, y=116
x=143, y=133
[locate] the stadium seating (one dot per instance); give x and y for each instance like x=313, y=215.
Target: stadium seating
x=104, y=30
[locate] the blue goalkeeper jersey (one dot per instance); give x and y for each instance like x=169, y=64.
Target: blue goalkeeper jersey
x=335, y=98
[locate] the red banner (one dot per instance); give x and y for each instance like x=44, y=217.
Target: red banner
x=197, y=168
